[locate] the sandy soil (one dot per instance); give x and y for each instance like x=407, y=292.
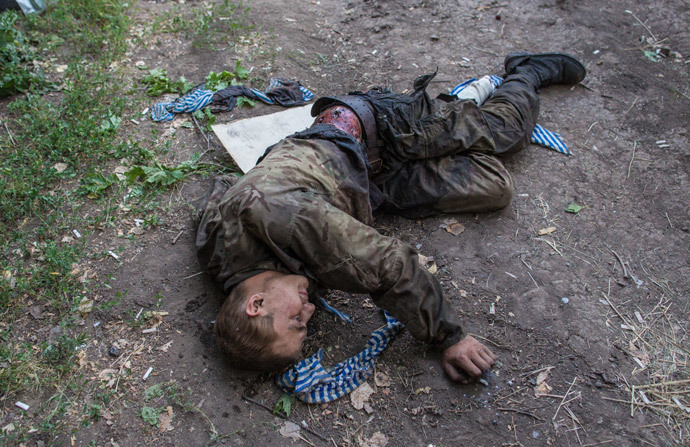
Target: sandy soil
x=600, y=303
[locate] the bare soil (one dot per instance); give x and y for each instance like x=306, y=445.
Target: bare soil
x=566, y=300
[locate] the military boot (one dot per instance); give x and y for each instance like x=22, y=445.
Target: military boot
x=547, y=68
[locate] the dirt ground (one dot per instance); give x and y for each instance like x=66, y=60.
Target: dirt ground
x=581, y=314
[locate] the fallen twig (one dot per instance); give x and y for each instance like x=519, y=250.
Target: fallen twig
x=643, y=25
x=203, y=134
x=551, y=244
x=553, y=419
x=282, y=416
x=8, y=132
x=515, y=410
x=632, y=159
x=625, y=271
x=182, y=231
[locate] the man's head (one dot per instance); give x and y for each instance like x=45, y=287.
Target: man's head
x=263, y=322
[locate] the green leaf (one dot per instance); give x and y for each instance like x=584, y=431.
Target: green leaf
x=111, y=123
x=573, y=208
x=219, y=81
x=651, y=55
x=243, y=100
x=153, y=392
x=150, y=415
x=241, y=72
x=284, y=404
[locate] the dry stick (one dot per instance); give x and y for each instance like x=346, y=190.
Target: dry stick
x=641, y=23
x=625, y=272
x=208, y=141
x=632, y=159
x=515, y=410
x=553, y=419
x=614, y=308
x=632, y=105
x=669, y=220
x=498, y=345
x=484, y=51
x=182, y=231
x=8, y=132
x=270, y=410
x=654, y=385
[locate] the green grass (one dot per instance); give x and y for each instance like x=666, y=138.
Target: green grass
x=57, y=135
x=206, y=25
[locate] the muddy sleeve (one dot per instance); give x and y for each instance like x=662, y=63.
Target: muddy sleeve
x=345, y=254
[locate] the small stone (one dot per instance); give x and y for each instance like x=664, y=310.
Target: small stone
x=435, y=38
x=114, y=351
x=535, y=434
x=565, y=300
x=498, y=16
x=598, y=384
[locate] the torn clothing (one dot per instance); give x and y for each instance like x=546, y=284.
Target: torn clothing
x=307, y=207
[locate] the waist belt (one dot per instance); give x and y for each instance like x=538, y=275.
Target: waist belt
x=366, y=115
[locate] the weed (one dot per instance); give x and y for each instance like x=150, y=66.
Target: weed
x=158, y=83
x=219, y=81
x=16, y=57
x=284, y=404
x=206, y=24
x=151, y=414
x=206, y=116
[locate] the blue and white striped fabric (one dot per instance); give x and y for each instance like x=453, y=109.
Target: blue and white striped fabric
x=342, y=315
x=540, y=136
x=191, y=102
x=312, y=383
x=199, y=98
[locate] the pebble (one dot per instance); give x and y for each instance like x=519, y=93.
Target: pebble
x=535, y=434
x=114, y=351
x=565, y=300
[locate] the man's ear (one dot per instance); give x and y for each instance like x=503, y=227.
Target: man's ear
x=254, y=306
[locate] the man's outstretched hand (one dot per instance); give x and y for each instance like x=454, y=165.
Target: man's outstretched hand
x=468, y=356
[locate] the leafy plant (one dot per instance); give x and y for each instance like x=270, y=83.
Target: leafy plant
x=111, y=123
x=207, y=116
x=219, y=81
x=160, y=175
x=95, y=185
x=243, y=100
x=574, y=208
x=16, y=57
x=151, y=415
x=158, y=83
x=284, y=404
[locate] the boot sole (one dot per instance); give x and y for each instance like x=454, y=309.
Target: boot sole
x=511, y=59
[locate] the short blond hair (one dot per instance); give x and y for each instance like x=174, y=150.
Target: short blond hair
x=248, y=341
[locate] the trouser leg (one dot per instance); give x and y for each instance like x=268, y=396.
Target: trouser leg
x=451, y=166
x=470, y=182
x=511, y=113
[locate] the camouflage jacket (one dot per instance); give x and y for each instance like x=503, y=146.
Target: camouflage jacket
x=306, y=209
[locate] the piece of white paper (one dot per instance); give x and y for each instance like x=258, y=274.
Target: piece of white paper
x=246, y=140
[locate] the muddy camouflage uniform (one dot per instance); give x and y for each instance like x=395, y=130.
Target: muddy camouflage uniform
x=307, y=207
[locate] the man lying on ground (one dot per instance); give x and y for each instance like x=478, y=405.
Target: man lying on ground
x=301, y=218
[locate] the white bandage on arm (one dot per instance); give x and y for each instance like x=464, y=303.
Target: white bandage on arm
x=477, y=91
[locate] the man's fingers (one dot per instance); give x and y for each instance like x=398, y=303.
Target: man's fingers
x=469, y=366
x=480, y=363
x=453, y=373
x=488, y=358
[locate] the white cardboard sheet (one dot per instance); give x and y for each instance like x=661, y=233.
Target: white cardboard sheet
x=246, y=140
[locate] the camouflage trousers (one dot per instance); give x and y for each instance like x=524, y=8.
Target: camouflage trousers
x=443, y=157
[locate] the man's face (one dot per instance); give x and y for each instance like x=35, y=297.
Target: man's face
x=286, y=299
